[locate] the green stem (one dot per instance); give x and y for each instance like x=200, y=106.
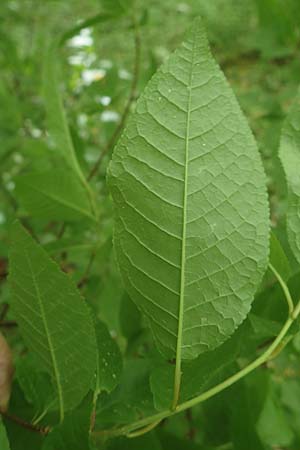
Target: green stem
x=144, y=425
x=284, y=288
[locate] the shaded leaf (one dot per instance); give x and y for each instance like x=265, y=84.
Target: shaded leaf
x=4, y=444
x=198, y=375
x=110, y=362
x=191, y=211
x=74, y=432
x=278, y=258
x=130, y=318
x=53, y=319
x=131, y=400
x=36, y=385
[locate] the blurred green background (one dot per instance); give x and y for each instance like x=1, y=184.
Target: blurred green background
x=257, y=44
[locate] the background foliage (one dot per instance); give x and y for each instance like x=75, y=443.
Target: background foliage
x=65, y=93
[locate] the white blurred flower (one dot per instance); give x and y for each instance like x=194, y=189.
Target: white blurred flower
x=83, y=39
x=90, y=75
x=110, y=116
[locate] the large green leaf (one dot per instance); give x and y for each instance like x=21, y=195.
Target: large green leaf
x=290, y=158
x=191, y=210
x=53, y=319
x=54, y=195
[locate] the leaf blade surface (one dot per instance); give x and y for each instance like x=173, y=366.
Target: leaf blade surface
x=191, y=212
x=54, y=320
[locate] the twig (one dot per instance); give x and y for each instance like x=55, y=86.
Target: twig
x=85, y=276
x=29, y=426
x=8, y=324
x=131, y=98
x=5, y=308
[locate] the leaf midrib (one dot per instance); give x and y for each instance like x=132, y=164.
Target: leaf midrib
x=183, y=248
x=48, y=336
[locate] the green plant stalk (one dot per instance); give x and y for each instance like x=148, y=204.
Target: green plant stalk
x=284, y=288
x=177, y=375
x=144, y=425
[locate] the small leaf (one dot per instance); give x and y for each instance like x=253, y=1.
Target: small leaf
x=74, y=432
x=191, y=210
x=53, y=195
x=273, y=426
x=6, y=373
x=290, y=157
x=110, y=362
x=131, y=400
x=198, y=375
x=53, y=319
x=36, y=385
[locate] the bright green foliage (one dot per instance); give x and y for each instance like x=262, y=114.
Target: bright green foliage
x=54, y=321
x=182, y=331
x=191, y=226
x=55, y=193
x=56, y=114
x=290, y=158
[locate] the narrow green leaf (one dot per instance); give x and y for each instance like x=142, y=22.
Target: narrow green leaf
x=54, y=195
x=191, y=210
x=110, y=362
x=53, y=319
x=4, y=444
x=290, y=157
x=57, y=121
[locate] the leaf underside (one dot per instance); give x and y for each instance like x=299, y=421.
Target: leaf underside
x=191, y=211
x=53, y=318
x=290, y=157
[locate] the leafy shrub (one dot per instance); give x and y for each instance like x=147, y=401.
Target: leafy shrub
x=167, y=312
